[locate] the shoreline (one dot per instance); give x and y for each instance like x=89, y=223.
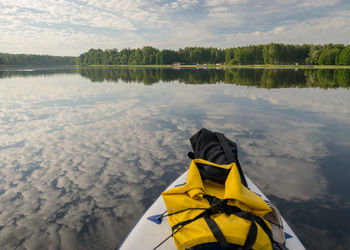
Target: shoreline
x=199, y=66
x=223, y=66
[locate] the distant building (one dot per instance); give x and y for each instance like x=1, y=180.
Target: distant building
x=176, y=63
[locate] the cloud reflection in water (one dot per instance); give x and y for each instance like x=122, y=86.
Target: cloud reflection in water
x=80, y=161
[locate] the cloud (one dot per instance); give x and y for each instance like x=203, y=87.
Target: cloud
x=39, y=13
x=48, y=41
x=73, y=27
x=267, y=4
x=224, y=2
x=313, y=3
x=218, y=10
x=186, y=4
x=179, y=5
x=317, y=31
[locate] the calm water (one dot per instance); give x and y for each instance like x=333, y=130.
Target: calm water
x=84, y=153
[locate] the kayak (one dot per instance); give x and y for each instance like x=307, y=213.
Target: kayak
x=149, y=235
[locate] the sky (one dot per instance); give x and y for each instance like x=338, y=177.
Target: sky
x=71, y=27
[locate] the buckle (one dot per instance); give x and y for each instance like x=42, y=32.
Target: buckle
x=217, y=206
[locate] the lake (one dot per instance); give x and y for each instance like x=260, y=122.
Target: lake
x=83, y=153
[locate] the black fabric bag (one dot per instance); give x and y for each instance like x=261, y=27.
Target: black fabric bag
x=216, y=148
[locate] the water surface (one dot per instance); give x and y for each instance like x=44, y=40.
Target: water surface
x=84, y=153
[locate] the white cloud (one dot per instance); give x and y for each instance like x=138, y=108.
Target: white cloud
x=317, y=31
x=317, y=3
x=55, y=42
x=218, y=10
x=224, y=2
x=143, y=11
x=65, y=12
x=71, y=28
x=268, y=4
x=179, y=4
x=187, y=3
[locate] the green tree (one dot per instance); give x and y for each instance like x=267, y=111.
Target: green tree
x=229, y=55
x=149, y=55
x=344, y=57
x=328, y=56
x=35, y=60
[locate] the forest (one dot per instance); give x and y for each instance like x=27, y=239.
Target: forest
x=273, y=53
x=35, y=60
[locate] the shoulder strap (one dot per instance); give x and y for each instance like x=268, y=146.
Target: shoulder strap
x=216, y=231
x=231, y=157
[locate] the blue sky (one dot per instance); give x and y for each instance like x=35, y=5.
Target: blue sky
x=71, y=27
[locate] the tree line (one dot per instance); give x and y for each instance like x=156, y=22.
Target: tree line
x=273, y=53
x=261, y=78
x=151, y=56
x=35, y=60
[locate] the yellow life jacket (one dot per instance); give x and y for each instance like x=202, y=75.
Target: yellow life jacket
x=202, y=212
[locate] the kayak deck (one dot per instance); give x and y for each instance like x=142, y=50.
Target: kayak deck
x=149, y=234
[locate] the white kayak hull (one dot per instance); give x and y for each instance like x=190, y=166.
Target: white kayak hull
x=147, y=234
